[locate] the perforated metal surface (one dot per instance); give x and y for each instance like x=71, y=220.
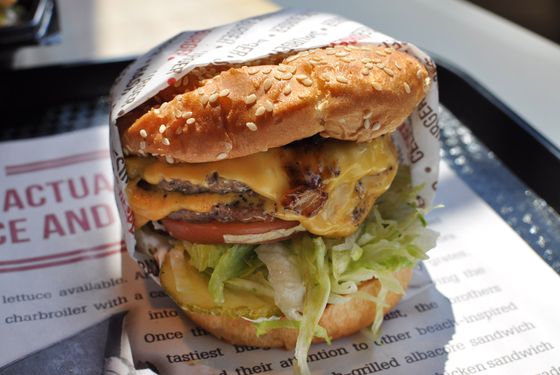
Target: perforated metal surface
x=58, y=119
x=531, y=217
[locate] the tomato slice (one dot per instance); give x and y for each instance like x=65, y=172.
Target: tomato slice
x=213, y=232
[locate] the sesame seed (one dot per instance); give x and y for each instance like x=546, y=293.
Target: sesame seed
x=406, y=88
x=278, y=75
x=368, y=114
x=377, y=86
x=292, y=69
x=268, y=106
x=212, y=98
x=300, y=77
x=251, y=125
x=221, y=156
x=380, y=65
x=341, y=79
x=200, y=91
x=369, y=66
x=260, y=111
x=165, y=141
x=389, y=71
x=348, y=59
x=204, y=99
x=367, y=123
x=287, y=76
x=302, y=96
x=186, y=114
x=252, y=71
x=331, y=52
x=142, y=145
x=292, y=58
x=419, y=73
x=143, y=133
x=162, y=128
x=399, y=67
x=267, y=84
x=347, y=48
x=365, y=72
x=365, y=60
x=341, y=54
x=375, y=60
x=267, y=70
x=325, y=77
x=178, y=113
x=250, y=99
x=191, y=121
x=287, y=89
x=169, y=159
x=228, y=146
x=307, y=82
x=224, y=92
x=316, y=58
x=389, y=50
x=282, y=68
x=376, y=126
x=427, y=83
x=380, y=53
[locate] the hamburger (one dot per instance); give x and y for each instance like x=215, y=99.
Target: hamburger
x=271, y=193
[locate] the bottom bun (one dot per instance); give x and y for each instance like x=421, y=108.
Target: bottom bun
x=342, y=319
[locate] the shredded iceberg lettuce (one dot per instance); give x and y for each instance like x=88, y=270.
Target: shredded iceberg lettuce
x=203, y=256
x=229, y=266
x=285, y=278
x=313, y=266
x=305, y=273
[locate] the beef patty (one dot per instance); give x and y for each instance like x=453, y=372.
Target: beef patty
x=214, y=184
x=248, y=207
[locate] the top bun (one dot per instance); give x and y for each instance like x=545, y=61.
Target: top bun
x=354, y=93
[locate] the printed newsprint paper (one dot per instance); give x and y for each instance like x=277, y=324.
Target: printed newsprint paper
x=484, y=303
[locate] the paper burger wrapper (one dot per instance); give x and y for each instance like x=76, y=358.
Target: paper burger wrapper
x=287, y=31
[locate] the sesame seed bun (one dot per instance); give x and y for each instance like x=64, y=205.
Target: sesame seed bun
x=354, y=93
x=339, y=320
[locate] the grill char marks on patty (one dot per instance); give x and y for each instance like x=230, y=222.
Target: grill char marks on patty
x=214, y=184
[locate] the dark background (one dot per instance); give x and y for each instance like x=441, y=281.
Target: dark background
x=539, y=16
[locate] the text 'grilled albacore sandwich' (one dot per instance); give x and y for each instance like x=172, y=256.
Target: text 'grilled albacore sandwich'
x=276, y=187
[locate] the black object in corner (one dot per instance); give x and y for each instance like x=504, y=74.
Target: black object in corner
x=526, y=152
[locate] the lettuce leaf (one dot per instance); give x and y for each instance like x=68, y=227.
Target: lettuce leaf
x=311, y=254
x=203, y=256
x=285, y=278
x=230, y=265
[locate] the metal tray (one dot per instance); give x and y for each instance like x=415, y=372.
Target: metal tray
x=492, y=149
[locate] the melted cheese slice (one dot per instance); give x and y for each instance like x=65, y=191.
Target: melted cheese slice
x=373, y=165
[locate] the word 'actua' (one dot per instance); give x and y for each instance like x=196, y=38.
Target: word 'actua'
x=54, y=192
